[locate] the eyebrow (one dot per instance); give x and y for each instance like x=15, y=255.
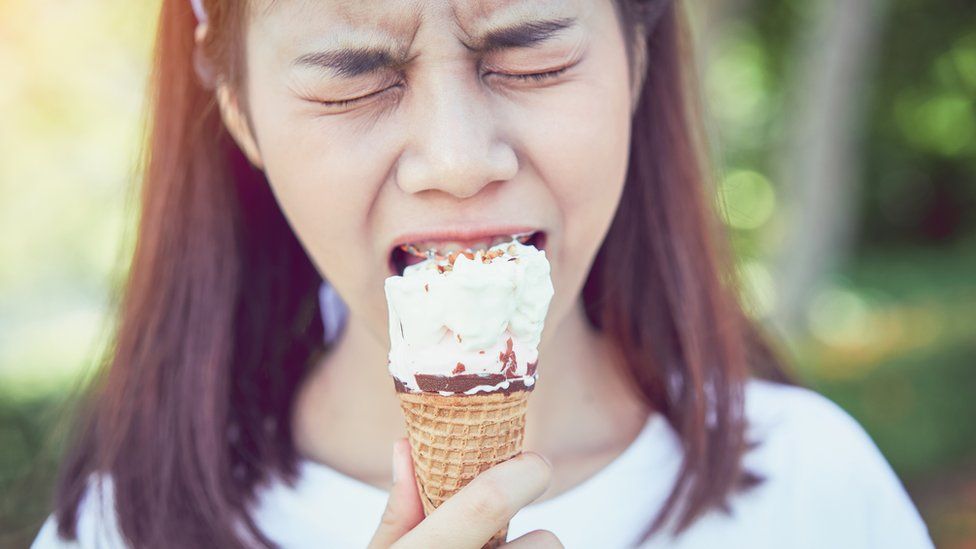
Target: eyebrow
x=522, y=35
x=351, y=62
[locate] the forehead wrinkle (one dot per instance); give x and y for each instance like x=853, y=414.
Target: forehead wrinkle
x=475, y=18
x=380, y=14
x=482, y=11
x=389, y=19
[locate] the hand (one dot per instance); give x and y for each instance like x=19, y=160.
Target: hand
x=469, y=518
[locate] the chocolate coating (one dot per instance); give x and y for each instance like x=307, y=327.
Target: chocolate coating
x=429, y=383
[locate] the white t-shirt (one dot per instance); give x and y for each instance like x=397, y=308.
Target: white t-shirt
x=827, y=486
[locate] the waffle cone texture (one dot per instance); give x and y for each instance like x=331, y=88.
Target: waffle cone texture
x=454, y=438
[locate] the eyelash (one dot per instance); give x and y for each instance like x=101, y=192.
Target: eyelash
x=347, y=102
x=535, y=76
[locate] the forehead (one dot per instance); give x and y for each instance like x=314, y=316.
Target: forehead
x=404, y=16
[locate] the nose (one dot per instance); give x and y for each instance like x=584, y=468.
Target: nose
x=455, y=143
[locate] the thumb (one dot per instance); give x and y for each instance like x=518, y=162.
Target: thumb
x=403, y=510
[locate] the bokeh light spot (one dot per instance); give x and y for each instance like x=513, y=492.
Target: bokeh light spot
x=747, y=199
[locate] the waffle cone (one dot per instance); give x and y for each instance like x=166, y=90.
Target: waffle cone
x=454, y=438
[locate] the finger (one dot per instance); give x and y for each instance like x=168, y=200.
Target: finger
x=403, y=509
x=470, y=517
x=536, y=539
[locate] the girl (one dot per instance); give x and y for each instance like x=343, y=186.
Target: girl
x=295, y=146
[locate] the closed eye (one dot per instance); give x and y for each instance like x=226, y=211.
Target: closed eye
x=347, y=102
x=536, y=76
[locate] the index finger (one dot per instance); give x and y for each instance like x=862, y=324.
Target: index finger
x=470, y=517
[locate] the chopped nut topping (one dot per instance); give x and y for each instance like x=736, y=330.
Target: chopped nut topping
x=491, y=254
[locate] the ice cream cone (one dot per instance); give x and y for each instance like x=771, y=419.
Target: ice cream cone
x=454, y=438
x=464, y=336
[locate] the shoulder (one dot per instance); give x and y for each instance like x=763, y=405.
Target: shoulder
x=97, y=524
x=799, y=431
x=801, y=417
x=820, y=462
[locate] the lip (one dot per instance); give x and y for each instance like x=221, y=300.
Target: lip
x=459, y=233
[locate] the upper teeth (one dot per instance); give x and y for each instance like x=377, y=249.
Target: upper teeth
x=442, y=249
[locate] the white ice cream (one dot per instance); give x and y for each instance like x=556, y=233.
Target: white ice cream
x=442, y=316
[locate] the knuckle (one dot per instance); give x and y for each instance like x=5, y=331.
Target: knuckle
x=540, y=467
x=488, y=500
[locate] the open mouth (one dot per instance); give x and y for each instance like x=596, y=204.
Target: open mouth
x=412, y=253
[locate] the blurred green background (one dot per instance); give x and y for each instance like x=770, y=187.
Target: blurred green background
x=844, y=134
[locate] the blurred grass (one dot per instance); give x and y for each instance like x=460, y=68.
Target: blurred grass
x=29, y=437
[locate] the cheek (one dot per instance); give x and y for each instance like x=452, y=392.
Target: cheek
x=579, y=141
x=587, y=156
x=325, y=178
x=317, y=190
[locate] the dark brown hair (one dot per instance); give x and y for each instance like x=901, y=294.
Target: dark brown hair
x=219, y=320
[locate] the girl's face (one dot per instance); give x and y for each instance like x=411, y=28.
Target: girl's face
x=385, y=122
